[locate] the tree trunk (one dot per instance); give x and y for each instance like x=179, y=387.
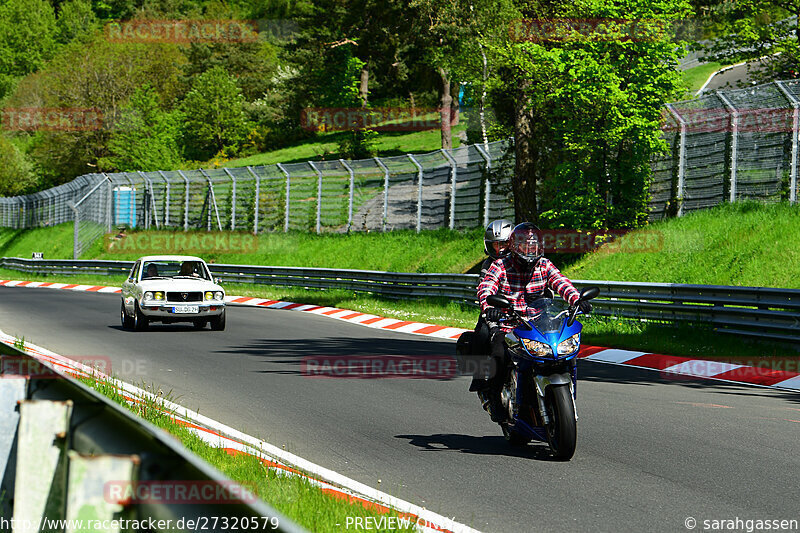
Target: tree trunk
x=445, y=112
x=363, y=90
x=525, y=152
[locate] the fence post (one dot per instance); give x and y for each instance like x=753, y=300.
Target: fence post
x=734, y=141
x=795, y=133
x=213, y=200
x=167, y=199
x=385, y=191
x=153, y=207
x=286, y=208
x=681, y=157
x=419, y=191
x=255, y=203
x=109, y=204
x=319, y=195
x=487, y=198
x=453, y=172
x=186, y=202
x=233, y=198
x=352, y=185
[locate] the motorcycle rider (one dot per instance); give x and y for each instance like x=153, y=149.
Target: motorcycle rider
x=522, y=276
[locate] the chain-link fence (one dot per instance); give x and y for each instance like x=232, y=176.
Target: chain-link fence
x=423, y=191
x=726, y=146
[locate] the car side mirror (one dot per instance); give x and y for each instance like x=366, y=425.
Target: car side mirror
x=588, y=293
x=499, y=301
x=217, y=280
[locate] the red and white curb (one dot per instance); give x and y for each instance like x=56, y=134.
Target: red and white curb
x=669, y=366
x=221, y=436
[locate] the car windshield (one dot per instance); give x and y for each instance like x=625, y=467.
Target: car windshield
x=175, y=269
x=542, y=313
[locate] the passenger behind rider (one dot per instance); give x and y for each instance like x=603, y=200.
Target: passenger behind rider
x=522, y=276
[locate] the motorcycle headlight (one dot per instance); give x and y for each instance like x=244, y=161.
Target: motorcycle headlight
x=218, y=295
x=148, y=296
x=158, y=296
x=570, y=345
x=209, y=295
x=537, y=348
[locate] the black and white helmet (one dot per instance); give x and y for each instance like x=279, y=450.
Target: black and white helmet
x=497, y=238
x=526, y=244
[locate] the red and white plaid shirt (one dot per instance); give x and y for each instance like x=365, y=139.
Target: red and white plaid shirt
x=522, y=288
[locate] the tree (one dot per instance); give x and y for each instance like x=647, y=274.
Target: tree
x=146, y=137
x=76, y=21
x=27, y=39
x=215, y=117
x=16, y=172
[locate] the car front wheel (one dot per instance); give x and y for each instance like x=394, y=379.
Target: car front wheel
x=140, y=322
x=218, y=322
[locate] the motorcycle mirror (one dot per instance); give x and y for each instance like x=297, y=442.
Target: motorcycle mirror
x=588, y=293
x=499, y=301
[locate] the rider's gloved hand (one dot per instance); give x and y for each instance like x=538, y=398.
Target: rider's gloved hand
x=585, y=307
x=493, y=314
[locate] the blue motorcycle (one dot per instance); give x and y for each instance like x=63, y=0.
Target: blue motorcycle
x=540, y=384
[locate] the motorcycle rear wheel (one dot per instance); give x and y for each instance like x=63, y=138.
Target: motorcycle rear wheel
x=562, y=430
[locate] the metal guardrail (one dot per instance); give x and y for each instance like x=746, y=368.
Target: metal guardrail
x=749, y=311
x=64, y=448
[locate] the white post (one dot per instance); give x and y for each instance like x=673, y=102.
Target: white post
x=233, y=198
x=734, y=141
x=258, y=196
x=419, y=191
x=385, y=192
x=167, y=200
x=681, y=157
x=488, y=197
x=286, y=215
x=795, y=133
x=319, y=195
x=352, y=185
x=452, y=188
x=186, y=202
x=213, y=200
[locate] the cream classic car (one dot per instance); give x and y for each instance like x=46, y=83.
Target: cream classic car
x=172, y=288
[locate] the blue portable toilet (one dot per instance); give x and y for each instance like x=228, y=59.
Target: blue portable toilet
x=125, y=206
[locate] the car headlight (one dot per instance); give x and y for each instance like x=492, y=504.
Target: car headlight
x=148, y=296
x=570, y=345
x=158, y=296
x=209, y=295
x=537, y=348
x=219, y=295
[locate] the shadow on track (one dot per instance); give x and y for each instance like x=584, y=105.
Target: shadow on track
x=485, y=445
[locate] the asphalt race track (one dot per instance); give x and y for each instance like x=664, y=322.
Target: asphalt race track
x=651, y=451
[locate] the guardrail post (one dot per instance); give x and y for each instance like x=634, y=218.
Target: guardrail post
x=734, y=141
x=453, y=171
x=681, y=157
x=385, y=192
x=255, y=203
x=186, y=202
x=286, y=207
x=92, y=481
x=352, y=185
x=233, y=198
x=795, y=133
x=419, y=191
x=40, y=487
x=319, y=195
x=488, y=188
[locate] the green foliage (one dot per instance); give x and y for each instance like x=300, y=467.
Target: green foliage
x=146, y=137
x=16, y=174
x=27, y=39
x=358, y=144
x=215, y=117
x=76, y=21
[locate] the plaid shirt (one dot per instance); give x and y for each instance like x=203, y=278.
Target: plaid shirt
x=521, y=288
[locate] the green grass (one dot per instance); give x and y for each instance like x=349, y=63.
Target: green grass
x=694, y=78
x=744, y=244
x=293, y=496
x=325, y=147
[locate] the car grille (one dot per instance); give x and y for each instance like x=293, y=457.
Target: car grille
x=189, y=297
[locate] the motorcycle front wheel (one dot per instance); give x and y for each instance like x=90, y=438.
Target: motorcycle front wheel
x=562, y=429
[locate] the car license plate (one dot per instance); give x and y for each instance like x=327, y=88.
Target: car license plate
x=186, y=309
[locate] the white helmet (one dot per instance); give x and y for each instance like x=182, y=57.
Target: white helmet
x=497, y=238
